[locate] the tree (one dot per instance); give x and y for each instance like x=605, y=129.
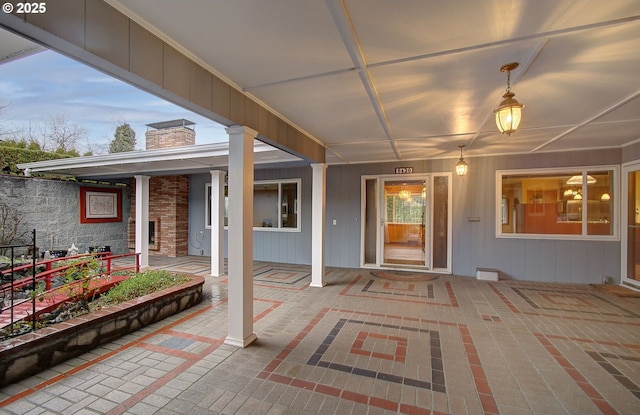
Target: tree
x=54, y=134
x=61, y=134
x=11, y=221
x=124, y=139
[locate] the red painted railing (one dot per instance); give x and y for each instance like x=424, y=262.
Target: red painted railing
x=109, y=264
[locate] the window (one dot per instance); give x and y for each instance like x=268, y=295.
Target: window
x=207, y=207
x=564, y=203
x=275, y=205
x=404, y=210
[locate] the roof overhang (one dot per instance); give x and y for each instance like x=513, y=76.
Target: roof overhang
x=161, y=162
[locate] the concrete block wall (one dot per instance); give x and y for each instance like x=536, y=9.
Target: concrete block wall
x=52, y=208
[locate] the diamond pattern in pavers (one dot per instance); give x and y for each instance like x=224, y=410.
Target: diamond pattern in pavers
x=379, y=351
x=619, y=362
x=618, y=366
x=420, y=292
x=282, y=278
x=376, y=345
x=571, y=302
x=404, y=289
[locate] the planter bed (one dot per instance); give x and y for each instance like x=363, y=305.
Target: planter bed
x=31, y=353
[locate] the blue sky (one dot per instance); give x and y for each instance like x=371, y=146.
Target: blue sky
x=48, y=84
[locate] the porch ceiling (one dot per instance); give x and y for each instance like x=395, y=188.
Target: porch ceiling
x=379, y=80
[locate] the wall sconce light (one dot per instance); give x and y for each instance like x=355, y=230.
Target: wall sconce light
x=509, y=112
x=605, y=196
x=461, y=166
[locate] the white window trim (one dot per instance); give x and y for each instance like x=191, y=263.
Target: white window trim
x=616, y=199
x=624, y=257
x=430, y=177
x=280, y=182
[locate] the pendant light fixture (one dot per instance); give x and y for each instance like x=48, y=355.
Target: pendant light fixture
x=509, y=112
x=404, y=193
x=461, y=165
x=577, y=180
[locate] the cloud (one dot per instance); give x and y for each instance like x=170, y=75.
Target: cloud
x=101, y=80
x=47, y=84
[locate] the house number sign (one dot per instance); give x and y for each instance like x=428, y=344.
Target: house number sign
x=404, y=170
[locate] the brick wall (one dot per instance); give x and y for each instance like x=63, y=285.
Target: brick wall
x=170, y=137
x=168, y=198
x=169, y=208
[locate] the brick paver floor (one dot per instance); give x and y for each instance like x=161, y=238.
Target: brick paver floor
x=370, y=342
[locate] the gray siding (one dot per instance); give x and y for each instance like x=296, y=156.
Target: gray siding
x=474, y=243
x=285, y=247
x=199, y=237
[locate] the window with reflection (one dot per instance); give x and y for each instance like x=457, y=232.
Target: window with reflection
x=275, y=205
x=556, y=202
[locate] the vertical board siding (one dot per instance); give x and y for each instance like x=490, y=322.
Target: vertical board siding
x=474, y=244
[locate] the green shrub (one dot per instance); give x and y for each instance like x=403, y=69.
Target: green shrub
x=11, y=156
x=141, y=284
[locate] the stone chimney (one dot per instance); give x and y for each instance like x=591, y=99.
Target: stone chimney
x=176, y=133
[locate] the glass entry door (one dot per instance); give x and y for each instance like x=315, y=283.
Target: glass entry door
x=631, y=218
x=404, y=211
x=406, y=222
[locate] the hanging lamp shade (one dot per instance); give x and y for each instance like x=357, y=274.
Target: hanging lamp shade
x=577, y=180
x=509, y=112
x=461, y=166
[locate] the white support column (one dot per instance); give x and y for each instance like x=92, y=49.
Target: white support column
x=142, y=220
x=217, y=222
x=240, y=249
x=318, y=207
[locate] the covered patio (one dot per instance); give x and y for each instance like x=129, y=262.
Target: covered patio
x=369, y=342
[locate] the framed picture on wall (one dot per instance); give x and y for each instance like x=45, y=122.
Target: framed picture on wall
x=99, y=205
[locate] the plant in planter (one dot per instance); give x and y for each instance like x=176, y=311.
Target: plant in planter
x=83, y=298
x=141, y=284
x=75, y=283
x=23, y=356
